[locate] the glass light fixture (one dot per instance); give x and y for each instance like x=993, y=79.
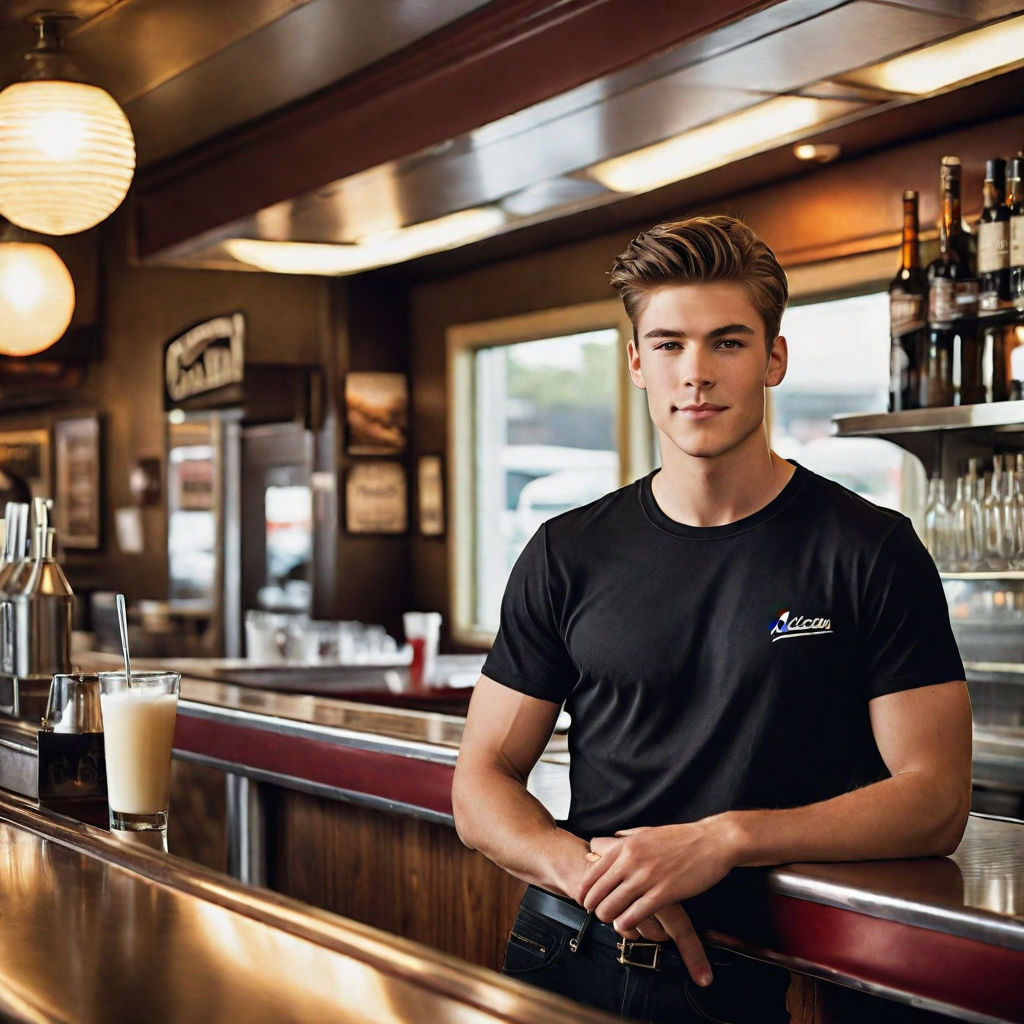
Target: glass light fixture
x=37, y=298
x=67, y=153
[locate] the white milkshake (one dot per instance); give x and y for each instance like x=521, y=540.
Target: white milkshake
x=138, y=732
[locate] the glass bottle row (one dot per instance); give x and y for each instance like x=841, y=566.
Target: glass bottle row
x=983, y=527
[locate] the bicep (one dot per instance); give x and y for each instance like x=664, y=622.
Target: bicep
x=927, y=729
x=505, y=729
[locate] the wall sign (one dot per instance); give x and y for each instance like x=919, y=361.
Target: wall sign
x=206, y=357
x=376, y=500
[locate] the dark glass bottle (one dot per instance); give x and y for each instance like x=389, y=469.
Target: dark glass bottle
x=994, y=239
x=908, y=301
x=951, y=369
x=1015, y=208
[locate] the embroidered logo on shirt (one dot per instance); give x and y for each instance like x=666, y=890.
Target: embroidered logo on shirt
x=787, y=626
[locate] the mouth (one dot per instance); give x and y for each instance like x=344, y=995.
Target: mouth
x=703, y=411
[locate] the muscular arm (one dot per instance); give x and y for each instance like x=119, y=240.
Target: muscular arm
x=924, y=737
x=504, y=736
x=505, y=733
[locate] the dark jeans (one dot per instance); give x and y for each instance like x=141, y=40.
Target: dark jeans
x=744, y=991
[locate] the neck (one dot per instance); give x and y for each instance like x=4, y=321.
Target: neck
x=719, y=491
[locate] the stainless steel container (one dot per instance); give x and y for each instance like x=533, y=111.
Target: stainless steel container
x=41, y=613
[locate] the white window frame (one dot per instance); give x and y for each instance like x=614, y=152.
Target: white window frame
x=634, y=431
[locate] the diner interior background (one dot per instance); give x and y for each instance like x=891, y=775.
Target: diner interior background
x=334, y=120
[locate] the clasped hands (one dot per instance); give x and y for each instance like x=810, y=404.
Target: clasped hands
x=637, y=878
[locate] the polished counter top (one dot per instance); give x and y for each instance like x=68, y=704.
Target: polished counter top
x=924, y=931
x=95, y=929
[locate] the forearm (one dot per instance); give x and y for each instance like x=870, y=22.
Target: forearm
x=908, y=815
x=495, y=814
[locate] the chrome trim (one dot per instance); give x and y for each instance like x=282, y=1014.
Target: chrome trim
x=342, y=737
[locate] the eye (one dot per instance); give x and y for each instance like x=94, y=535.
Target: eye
x=730, y=343
x=668, y=346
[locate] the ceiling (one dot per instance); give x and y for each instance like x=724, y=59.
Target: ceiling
x=334, y=121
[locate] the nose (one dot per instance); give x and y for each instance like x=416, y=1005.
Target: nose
x=696, y=369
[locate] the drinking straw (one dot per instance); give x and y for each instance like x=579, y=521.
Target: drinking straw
x=122, y=625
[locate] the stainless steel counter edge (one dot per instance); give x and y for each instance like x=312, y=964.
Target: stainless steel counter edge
x=375, y=742
x=974, y=924
x=388, y=954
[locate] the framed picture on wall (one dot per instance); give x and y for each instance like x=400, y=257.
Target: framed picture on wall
x=430, y=495
x=376, y=413
x=376, y=498
x=76, y=505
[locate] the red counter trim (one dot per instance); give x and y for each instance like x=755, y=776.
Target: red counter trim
x=931, y=964
x=406, y=780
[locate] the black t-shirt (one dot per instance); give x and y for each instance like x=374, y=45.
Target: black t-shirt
x=715, y=668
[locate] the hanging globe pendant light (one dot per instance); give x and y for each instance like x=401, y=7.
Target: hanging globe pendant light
x=67, y=153
x=37, y=298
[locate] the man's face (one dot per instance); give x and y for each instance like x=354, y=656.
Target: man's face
x=701, y=355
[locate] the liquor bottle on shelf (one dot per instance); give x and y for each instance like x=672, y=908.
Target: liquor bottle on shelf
x=908, y=300
x=951, y=369
x=994, y=239
x=992, y=512
x=1015, y=208
x=939, y=533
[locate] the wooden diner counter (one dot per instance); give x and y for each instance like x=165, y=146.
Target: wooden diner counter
x=346, y=806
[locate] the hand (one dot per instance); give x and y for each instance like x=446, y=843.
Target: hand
x=672, y=922
x=639, y=871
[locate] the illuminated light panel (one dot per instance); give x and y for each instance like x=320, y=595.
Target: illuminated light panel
x=954, y=60
x=373, y=251
x=703, y=149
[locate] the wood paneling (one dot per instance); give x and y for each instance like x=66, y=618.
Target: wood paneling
x=407, y=876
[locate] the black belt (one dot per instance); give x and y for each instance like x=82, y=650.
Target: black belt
x=633, y=953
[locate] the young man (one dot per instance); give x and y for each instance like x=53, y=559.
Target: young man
x=757, y=663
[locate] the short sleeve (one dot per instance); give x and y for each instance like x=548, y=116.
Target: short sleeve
x=529, y=654
x=906, y=638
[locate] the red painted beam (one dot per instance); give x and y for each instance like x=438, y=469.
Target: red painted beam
x=405, y=780
x=500, y=59
x=952, y=970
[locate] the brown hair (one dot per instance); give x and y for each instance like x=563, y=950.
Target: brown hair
x=699, y=250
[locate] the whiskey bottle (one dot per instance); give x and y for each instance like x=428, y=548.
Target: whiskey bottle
x=1015, y=208
x=908, y=300
x=994, y=239
x=950, y=371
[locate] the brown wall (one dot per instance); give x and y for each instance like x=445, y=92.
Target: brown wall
x=832, y=211
x=143, y=308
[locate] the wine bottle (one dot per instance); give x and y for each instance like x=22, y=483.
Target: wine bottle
x=1015, y=208
x=950, y=372
x=994, y=239
x=908, y=300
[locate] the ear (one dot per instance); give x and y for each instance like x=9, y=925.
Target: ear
x=633, y=359
x=778, y=360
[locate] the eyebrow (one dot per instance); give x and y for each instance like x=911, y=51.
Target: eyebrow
x=718, y=332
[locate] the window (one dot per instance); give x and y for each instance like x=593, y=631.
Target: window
x=839, y=363
x=545, y=419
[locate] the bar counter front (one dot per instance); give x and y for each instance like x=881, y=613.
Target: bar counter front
x=318, y=802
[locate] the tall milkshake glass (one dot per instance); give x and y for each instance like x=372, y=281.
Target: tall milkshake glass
x=138, y=732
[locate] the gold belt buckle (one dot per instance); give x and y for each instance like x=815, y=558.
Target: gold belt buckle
x=627, y=949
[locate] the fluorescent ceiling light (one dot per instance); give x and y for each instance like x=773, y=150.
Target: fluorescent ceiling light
x=955, y=60
x=374, y=251
x=729, y=138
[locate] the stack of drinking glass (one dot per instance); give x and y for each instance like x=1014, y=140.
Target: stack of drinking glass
x=983, y=528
